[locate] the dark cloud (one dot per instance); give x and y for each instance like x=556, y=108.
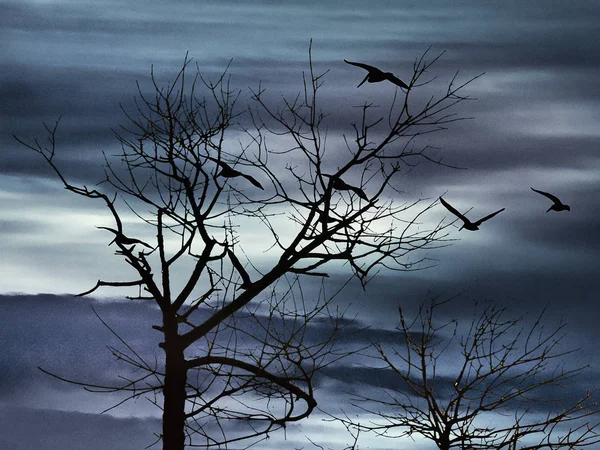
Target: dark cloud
x=63, y=336
x=45, y=428
x=88, y=96
x=15, y=227
x=579, y=235
x=61, y=333
x=369, y=387
x=355, y=379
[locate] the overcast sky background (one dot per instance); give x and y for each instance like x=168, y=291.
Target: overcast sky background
x=536, y=123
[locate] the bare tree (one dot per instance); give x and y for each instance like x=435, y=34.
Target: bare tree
x=198, y=170
x=499, y=383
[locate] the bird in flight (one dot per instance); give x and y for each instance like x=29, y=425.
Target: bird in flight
x=375, y=75
x=341, y=185
x=558, y=205
x=120, y=238
x=229, y=172
x=468, y=225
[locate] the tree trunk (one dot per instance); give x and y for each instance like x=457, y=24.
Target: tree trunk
x=443, y=442
x=174, y=391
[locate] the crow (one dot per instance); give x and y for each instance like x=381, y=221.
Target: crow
x=558, y=205
x=375, y=75
x=246, y=282
x=120, y=238
x=341, y=185
x=229, y=172
x=468, y=225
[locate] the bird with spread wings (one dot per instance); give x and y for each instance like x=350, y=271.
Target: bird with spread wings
x=558, y=205
x=229, y=172
x=467, y=224
x=375, y=75
x=340, y=185
x=120, y=238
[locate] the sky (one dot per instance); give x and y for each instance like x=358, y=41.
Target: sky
x=535, y=123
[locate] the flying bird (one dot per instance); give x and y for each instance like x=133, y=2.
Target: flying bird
x=229, y=172
x=341, y=185
x=375, y=75
x=120, y=238
x=558, y=205
x=468, y=225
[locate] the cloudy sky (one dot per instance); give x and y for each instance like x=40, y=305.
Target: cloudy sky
x=535, y=123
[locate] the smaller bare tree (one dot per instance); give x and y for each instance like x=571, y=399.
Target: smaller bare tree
x=499, y=383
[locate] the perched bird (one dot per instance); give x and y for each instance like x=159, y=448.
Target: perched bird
x=246, y=282
x=229, y=172
x=375, y=75
x=120, y=238
x=326, y=218
x=341, y=185
x=558, y=205
x=468, y=225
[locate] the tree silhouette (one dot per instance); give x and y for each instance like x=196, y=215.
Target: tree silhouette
x=497, y=382
x=199, y=170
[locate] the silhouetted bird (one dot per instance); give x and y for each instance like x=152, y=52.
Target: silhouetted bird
x=229, y=172
x=246, y=282
x=341, y=185
x=120, y=238
x=558, y=205
x=326, y=218
x=375, y=75
x=468, y=225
